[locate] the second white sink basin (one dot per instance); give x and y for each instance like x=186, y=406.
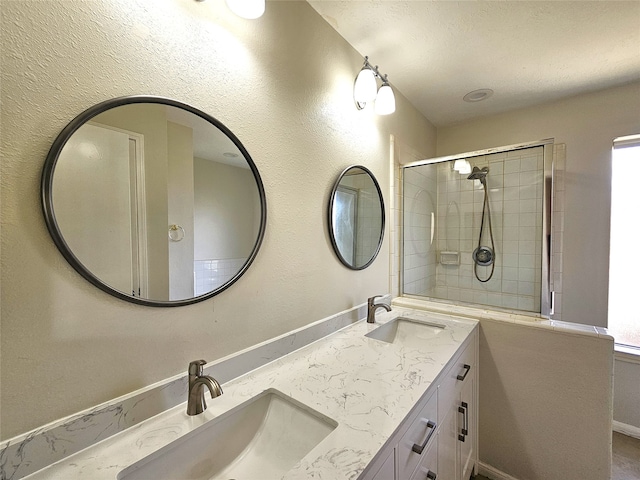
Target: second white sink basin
x=261, y=438
x=407, y=331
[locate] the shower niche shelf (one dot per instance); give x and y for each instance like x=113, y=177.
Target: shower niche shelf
x=449, y=258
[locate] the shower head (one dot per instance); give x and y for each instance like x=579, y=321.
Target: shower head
x=478, y=174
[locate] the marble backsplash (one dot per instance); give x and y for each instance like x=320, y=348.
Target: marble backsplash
x=32, y=451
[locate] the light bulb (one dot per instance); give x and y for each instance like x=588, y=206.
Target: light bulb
x=463, y=167
x=249, y=9
x=385, y=101
x=364, y=90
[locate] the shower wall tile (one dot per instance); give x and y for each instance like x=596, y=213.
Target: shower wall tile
x=515, y=189
x=511, y=220
x=421, y=206
x=512, y=166
x=211, y=273
x=497, y=168
x=510, y=246
x=511, y=180
x=530, y=164
x=510, y=286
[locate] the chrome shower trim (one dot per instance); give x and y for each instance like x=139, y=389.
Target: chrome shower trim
x=546, y=293
x=479, y=153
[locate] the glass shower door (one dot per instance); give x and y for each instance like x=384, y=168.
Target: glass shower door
x=473, y=229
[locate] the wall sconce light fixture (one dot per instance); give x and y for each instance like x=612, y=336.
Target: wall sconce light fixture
x=249, y=9
x=365, y=90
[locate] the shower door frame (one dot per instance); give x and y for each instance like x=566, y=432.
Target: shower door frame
x=546, y=290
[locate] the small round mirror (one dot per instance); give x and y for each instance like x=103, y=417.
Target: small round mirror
x=356, y=217
x=153, y=201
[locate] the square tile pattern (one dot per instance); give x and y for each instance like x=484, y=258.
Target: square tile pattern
x=442, y=216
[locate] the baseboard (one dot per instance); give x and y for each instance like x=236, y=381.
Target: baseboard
x=493, y=473
x=625, y=429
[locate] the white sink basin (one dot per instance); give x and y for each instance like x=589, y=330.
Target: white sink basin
x=262, y=438
x=409, y=332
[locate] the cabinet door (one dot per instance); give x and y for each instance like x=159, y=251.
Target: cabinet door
x=428, y=468
x=447, y=445
x=388, y=469
x=466, y=419
x=417, y=439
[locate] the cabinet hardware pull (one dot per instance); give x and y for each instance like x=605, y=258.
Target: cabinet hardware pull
x=462, y=434
x=466, y=370
x=431, y=475
x=419, y=448
x=464, y=431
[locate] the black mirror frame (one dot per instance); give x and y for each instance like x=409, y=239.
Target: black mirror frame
x=330, y=217
x=46, y=191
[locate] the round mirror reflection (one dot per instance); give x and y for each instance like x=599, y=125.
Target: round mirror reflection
x=356, y=217
x=153, y=201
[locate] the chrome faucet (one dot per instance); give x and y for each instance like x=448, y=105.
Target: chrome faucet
x=372, y=307
x=197, y=382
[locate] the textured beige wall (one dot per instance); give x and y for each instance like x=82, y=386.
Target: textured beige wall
x=226, y=206
x=545, y=403
x=282, y=83
x=626, y=393
x=180, y=187
x=587, y=124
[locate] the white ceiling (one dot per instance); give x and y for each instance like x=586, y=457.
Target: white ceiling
x=528, y=52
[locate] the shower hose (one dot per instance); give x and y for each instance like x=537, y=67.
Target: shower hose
x=485, y=209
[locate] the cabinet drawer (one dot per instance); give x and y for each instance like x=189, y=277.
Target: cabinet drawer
x=388, y=469
x=428, y=468
x=419, y=437
x=455, y=377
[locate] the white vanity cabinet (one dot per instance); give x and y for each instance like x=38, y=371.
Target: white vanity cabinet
x=458, y=429
x=438, y=439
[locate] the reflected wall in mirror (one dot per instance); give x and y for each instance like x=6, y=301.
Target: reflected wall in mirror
x=153, y=201
x=356, y=217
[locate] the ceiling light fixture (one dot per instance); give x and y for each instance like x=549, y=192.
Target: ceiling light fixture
x=365, y=89
x=478, y=95
x=249, y=9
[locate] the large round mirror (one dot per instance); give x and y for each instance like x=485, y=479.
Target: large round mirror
x=153, y=201
x=356, y=217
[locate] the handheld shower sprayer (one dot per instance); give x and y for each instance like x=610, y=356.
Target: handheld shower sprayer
x=483, y=256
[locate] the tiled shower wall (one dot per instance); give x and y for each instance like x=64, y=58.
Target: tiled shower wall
x=442, y=215
x=212, y=273
x=419, y=220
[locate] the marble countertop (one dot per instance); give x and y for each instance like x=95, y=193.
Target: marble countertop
x=365, y=385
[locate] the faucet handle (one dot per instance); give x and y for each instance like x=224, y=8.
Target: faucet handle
x=195, y=367
x=372, y=300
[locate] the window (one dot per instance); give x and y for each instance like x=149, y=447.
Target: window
x=624, y=256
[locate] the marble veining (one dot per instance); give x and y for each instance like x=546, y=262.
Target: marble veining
x=41, y=447
x=367, y=386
